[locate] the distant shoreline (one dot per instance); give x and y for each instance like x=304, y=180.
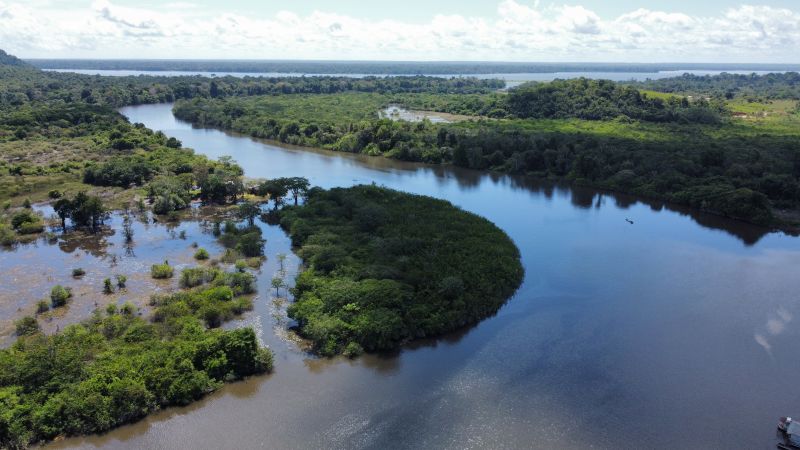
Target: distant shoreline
x=391, y=67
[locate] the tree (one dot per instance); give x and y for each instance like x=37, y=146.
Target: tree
x=277, y=283
x=297, y=186
x=249, y=211
x=63, y=208
x=87, y=211
x=276, y=190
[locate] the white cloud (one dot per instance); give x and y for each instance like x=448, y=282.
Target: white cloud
x=518, y=31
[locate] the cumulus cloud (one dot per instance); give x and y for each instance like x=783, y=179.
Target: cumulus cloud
x=521, y=31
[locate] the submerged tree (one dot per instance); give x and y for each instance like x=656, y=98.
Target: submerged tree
x=249, y=211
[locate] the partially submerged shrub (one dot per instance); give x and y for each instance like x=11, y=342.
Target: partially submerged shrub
x=201, y=254
x=161, y=271
x=59, y=295
x=195, y=276
x=42, y=306
x=26, y=326
x=108, y=287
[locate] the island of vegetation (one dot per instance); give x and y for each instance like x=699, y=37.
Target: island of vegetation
x=385, y=267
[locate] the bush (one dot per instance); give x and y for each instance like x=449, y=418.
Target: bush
x=161, y=271
x=78, y=272
x=128, y=309
x=121, y=280
x=201, y=254
x=108, y=287
x=352, y=349
x=26, y=326
x=196, y=276
x=27, y=222
x=7, y=235
x=59, y=295
x=42, y=306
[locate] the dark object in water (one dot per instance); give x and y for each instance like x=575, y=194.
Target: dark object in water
x=629, y=221
x=791, y=431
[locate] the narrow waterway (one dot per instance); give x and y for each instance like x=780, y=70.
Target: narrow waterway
x=676, y=331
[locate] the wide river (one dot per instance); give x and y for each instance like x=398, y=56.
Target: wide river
x=676, y=331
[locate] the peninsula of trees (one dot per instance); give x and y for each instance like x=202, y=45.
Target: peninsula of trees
x=385, y=267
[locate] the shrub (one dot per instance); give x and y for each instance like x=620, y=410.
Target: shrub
x=195, y=276
x=42, y=306
x=352, y=349
x=201, y=254
x=26, y=326
x=108, y=287
x=128, y=309
x=78, y=272
x=27, y=222
x=241, y=283
x=121, y=280
x=59, y=295
x=7, y=235
x=161, y=271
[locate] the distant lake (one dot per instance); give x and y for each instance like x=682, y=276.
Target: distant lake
x=512, y=79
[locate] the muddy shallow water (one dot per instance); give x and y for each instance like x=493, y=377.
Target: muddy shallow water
x=678, y=331
x=28, y=271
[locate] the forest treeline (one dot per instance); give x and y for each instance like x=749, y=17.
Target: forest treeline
x=727, y=85
x=21, y=84
x=587, y=99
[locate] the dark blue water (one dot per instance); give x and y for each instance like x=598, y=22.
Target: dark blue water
x=679, y=331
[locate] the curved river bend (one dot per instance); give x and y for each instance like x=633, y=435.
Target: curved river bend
x=679, y=331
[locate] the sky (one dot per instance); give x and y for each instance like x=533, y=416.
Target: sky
x=766, y=31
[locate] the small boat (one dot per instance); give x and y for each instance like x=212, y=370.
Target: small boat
x=791, y=432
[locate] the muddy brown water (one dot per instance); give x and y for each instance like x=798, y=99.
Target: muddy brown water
x=676, y=331
x=28, y=271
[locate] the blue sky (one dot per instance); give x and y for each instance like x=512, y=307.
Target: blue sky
x=489, y=30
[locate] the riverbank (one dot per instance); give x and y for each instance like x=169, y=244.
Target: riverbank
x=651, y=160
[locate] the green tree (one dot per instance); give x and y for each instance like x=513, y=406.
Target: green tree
x=249, y=211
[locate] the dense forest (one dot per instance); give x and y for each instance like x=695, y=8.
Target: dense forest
x=385, y=267
x=21, y=84
x=726, y=85
x=605, y=100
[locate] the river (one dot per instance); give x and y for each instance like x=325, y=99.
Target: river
x=676, y=331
